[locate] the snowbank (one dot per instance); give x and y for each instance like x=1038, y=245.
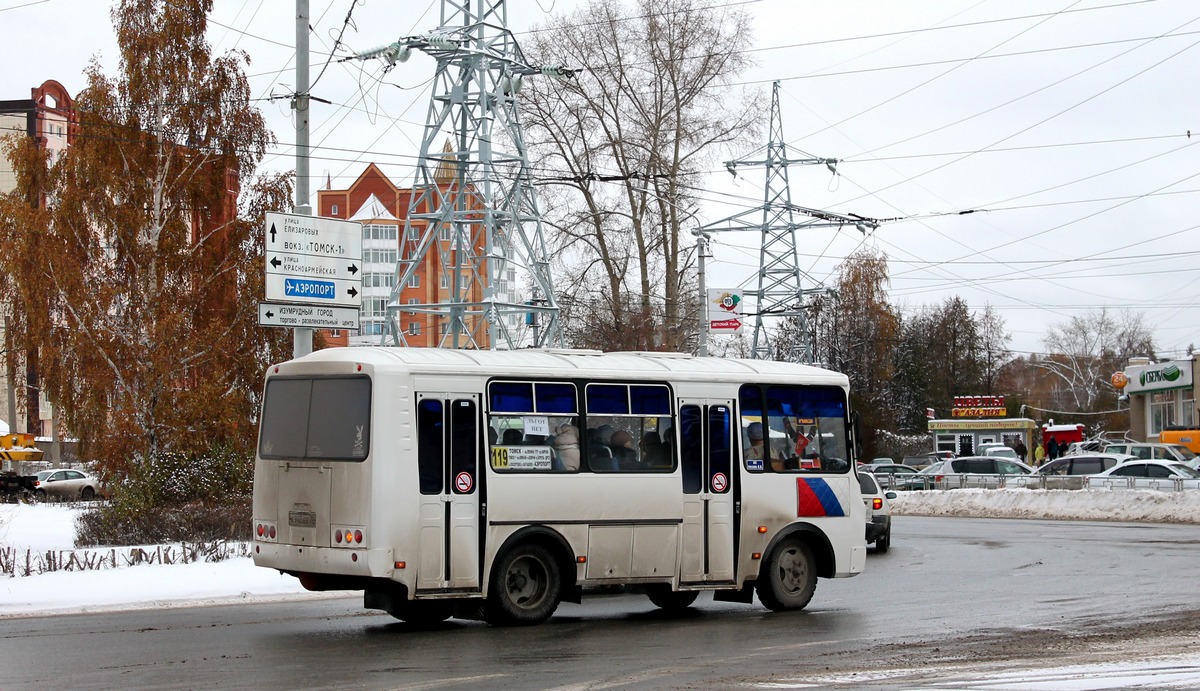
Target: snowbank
x=1150, y=506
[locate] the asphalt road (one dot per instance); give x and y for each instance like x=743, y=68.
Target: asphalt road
x=951, y=593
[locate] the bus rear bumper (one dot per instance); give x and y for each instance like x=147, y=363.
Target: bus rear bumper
x=368, y=563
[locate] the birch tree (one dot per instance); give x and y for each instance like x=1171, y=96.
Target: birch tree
x=622, y=148
x=137, y=280
x=1084, y=351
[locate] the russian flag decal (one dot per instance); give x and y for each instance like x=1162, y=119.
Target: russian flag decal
x=814, y=497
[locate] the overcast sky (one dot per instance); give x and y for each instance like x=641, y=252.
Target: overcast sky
x=1062, y=124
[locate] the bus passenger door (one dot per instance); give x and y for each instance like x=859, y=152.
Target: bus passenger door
x=449, y=513
x=706, y=459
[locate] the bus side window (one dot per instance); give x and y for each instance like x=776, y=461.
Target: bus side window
x=431, y=442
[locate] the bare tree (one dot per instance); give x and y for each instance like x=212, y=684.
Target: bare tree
x=993, y=343
x=1083, y=352
x=630, y=137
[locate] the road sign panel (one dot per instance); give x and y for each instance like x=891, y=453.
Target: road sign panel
x=307, y=316
x=313, y=260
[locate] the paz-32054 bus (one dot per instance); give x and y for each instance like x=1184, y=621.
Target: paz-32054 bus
x=498, y=484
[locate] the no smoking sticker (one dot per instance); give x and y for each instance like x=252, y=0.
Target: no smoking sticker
x=463, y=482
x=719, y=482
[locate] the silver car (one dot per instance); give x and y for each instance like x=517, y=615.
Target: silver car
x=64, y=483
x=975, y=471
x=889, y=474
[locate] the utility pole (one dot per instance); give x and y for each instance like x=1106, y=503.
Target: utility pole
x=701, y=255
x=780, y=290
x=302, y=339
x=473, y=205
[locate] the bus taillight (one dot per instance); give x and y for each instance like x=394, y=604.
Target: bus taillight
x=344, y=536
x=264, y=531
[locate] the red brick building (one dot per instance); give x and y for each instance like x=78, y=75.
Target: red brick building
x=382, y=207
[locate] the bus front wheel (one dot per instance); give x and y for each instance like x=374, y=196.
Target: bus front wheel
x=789, y=577
x=525, y=589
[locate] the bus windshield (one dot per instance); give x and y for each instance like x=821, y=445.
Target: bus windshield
x=803, y=429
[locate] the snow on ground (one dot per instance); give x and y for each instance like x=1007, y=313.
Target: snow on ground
x=44, y=527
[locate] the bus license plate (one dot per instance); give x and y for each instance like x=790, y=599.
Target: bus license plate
x=302, y=519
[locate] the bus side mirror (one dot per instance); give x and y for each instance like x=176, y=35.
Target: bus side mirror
x=856, y=432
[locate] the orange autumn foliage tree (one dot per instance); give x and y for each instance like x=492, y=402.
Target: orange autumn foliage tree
x=135, y=281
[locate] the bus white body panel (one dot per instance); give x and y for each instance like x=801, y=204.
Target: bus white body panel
x=423, y=468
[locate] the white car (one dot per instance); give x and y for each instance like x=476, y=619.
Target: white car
x=1153, y=451
x=1068, y=472
x=1139, y=474
x=997, y=450
x=879, y=512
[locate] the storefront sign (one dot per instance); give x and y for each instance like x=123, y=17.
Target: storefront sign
x=978, y=406
x=959, y=425
x=1161, y=376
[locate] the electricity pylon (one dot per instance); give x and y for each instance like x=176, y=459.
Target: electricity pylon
x=473, y=201
x=780, y=290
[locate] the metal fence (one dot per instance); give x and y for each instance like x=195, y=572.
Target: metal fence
x=891, y=481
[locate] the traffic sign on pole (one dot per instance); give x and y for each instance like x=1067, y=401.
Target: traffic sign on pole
x=307, y=316
x=313, y=260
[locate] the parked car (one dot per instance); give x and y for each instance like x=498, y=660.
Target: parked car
x=879, y=512
x=974, y=471
x=888, y=474
x=1141, y=474
x=64, y=483
x=1068, y=472
x=922, y=461
x=998, y=450
x=1153, y=451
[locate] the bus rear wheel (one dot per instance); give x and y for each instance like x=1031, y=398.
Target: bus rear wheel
x=789, y=578
x=525, y=589
x=671, y=600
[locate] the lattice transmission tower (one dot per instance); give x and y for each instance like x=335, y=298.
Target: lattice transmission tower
x=780, y=290
x=473, y=200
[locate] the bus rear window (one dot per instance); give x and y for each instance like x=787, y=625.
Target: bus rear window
x=316, y=418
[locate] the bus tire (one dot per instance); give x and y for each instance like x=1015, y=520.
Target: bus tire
x=525, y=589
x=672, y=600
x=788, y=578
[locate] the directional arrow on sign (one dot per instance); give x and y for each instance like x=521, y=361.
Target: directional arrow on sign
x=270, y=314
x=352, y=292
x=275, y=262
x=272, y=232
x=353, y=269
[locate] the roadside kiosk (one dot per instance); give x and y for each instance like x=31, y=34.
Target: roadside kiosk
x=977, y=420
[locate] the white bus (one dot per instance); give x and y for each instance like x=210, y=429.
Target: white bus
x=494, y=485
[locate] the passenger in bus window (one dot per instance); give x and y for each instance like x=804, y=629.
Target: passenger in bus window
x=654, y=451
x=621, y=444
x=512, y=436
x=754, y=450
x=566, y=442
